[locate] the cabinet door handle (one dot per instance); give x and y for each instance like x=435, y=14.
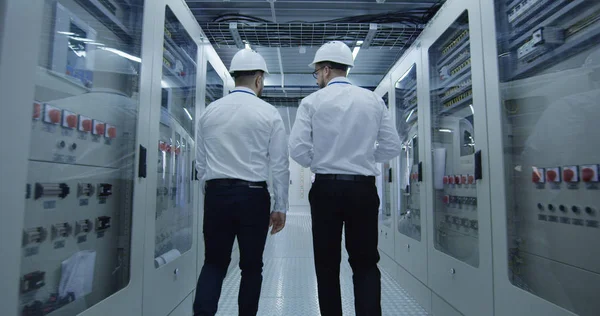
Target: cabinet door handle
x=142, y=166
x=478, y=169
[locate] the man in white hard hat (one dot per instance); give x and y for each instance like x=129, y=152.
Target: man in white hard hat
x=340, y=132
x=240, y=138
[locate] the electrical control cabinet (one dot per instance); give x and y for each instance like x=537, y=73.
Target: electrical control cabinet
x=456, y=142
x=170, y=257
x=106, y=214
x=82, y=194
x=542, y=84
x=410, y=238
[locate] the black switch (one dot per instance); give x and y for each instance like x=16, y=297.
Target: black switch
x=102, y=223
x=104, y=189
x=33, y=281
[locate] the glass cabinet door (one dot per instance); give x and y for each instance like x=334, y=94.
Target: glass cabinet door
x=175, y=148
x=549, y=66
x=79, y=199
x=453, y=145
x=409, y=210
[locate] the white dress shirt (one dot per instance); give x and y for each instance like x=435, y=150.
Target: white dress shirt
x=241, y=137
x=343, y=129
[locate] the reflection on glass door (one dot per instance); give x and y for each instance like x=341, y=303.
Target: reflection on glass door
x=173, y=196
x=409, y=209
x=214, y=85
x=453, y=145
x=79, y=201
x=550, y=86
x=386, y=190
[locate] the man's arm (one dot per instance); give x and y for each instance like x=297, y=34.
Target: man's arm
x=387, y=138
x=279, y=164
x=301, y=143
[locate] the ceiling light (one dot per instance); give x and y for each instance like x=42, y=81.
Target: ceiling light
x=188, y=114
x=445, y=130
x=122, y=54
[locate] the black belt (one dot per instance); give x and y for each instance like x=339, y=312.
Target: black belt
x=345, y=177
x=234, y=183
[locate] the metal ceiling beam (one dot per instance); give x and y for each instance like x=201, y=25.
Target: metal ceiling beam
x=236, y=35
x=370, y=36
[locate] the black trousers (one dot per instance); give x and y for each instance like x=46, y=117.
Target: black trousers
x=240, y=211
x=353, y=206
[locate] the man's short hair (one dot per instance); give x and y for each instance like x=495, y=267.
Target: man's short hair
x=333, y=65
x=239, y=74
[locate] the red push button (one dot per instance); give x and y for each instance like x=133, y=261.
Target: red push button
x=589, y=173
x=553, y=175
x=99, y=128
x=538, y=175
x=570, y=174
x=52, y=114
x=452, y=179
x=37, y=110
x=463, y=179
x=471, y=179
x=111, y=131
x=457, y=179
x=446, y=199
x=445, y=180
x=69, y=119
x=162, y=146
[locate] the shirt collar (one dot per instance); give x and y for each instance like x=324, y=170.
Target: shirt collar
x=244, y=89
x=339, y=79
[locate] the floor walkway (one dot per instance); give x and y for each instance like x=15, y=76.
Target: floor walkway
x=290, y=285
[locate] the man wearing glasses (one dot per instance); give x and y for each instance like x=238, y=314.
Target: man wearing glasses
x=340, y=132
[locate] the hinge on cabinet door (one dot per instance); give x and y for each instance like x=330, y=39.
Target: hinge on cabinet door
x=142, y=168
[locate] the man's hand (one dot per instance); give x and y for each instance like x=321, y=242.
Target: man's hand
x=277, y=221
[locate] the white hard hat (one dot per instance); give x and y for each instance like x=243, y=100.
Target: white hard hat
x=248, y=60
x=334, y=51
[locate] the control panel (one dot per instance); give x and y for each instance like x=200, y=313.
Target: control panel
x=78, y=198
x=456, y=228
x=549, y=85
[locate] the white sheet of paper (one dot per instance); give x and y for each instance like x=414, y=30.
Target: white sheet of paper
x=78, y=274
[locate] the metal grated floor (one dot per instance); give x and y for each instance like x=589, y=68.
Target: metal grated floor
x=289, y=282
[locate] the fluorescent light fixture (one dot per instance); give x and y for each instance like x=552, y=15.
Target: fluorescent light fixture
x=247, y=45
x=355, y=52
x=122, y=54
x=472, y=110
x=445, y=130
x=188, y=114
x=164, y=84
x=359, y=42
x=81, y=39
x=67, y=33
x=410, y=115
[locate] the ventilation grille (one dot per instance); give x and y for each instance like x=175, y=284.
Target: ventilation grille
x=311, y=34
